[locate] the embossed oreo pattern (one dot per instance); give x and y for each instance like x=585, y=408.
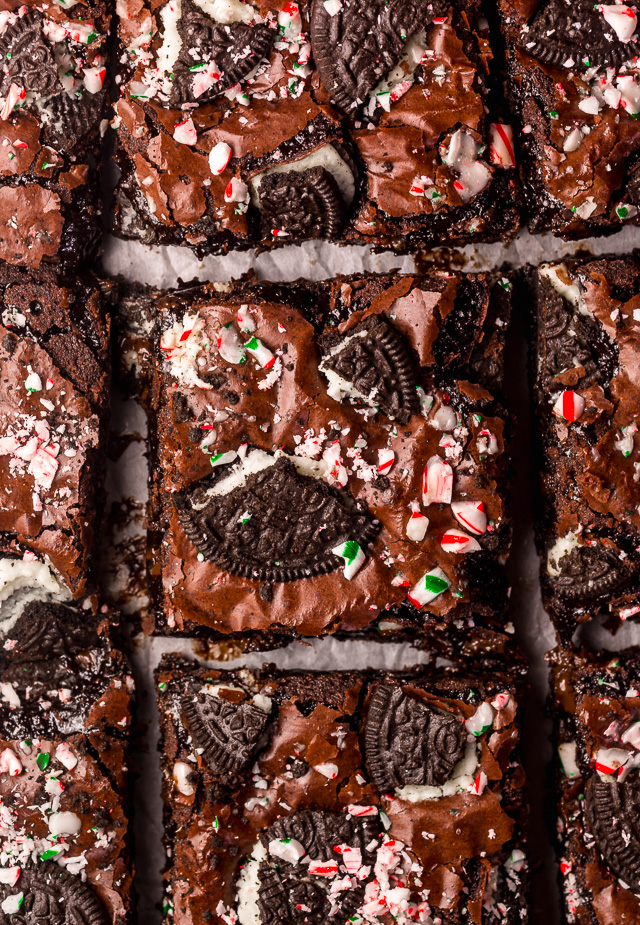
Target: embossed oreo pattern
x=612, y=811
x=407, y=742
x=378, y=366
x=357, y=46
x=576, y=32
x=27, y=58
x=228, y=733
x=295, y=522
x=588, y=572
x=304, y=204
x=52, y=896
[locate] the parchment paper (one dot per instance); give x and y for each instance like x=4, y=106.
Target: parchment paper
x=126, y=486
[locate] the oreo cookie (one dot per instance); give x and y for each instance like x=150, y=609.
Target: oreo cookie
x=234, y=48
x=612, y=810
x=576, y=34
x=228, y=733
x=52, y=896
x=293, y=523
x=408, y=742
x=69, y=119
x=288, y=894
x=374, y=362
x=587, y=573
x=27, y=58
x=304, y=204
x=357, y=46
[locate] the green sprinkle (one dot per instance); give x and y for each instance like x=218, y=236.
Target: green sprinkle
x=434, y=584
x=162, y=685
x=91, y=37
x=43, y=760
x=45, y=165
x=50, y=853
x=216, y=824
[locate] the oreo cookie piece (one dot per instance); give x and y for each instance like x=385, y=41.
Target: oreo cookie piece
x=288, y=894
x=304, y=204
x=576, y=34
x=371, y=364
x=587, y=572
x=69, y=119
x=50, y=896
x=27, y=58
x=408, y=742
x=612, y=810
x=228, y=733
x=357, y=46
x=294, y=522
x=215, y=56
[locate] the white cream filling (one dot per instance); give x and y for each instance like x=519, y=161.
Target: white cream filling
x=562, y=547
x=570, y=292
x=171, y=42
x=461, y=779
x=23, y=582
x=228, y=11
x=326, y=157
x=339, y=387
x=248, y=887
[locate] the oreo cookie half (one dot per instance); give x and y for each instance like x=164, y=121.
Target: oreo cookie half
x=407, y=742
x=357, y=46
x=576, y=31
x=288, y=894
x=27, y=57
x=228, y=733
x=372, y=364
x=52, y=896
x=234, y=48
x=586, y=573
x=277, y=526
x=69, y=119
x=304, y=204
x=612, y=811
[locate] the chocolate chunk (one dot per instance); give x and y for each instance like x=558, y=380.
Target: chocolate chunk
x=295, y=521
x=407, y=742
x=53, y=896
x=287, y=894
x=235, y=49
x=27, y=56
x=303, y=203
x=357, y=46
x=576, y=32
x=612, y=811
x=373, y=359
x=228, y=733
x=588, y=572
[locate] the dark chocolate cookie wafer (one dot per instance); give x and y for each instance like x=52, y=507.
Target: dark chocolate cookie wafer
x=588, y=572
x=279, y=526
x=228, y=733
x=373, y=360
x=408, y=742
x=301, y=204
x=581, y=33
x=612, y=810
x=50, y=895
x=27, y=58
x=357, y=46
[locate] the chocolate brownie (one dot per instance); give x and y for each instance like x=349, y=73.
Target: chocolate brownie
x=65, y=718
x=53, y=58
x=597, y=708
x=275, y=122
x=574, y=82
x=360, y=797
x=54, y=402
x=330, y=458
x=587, y=395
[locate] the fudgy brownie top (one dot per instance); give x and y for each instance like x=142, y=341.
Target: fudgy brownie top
x=588, y=397
x=54, y=373
x=297, y=797
x=65, y=718
x=312, y=474
x=574, y=79
x=277, y=122
x=597, y=704
x=52, y=101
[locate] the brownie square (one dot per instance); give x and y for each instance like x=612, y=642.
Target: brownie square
x=53, y=58
x=271, y=123
x=596, y=702
x=54, y=404
x=330, y=458
x=65, y=719
x=361, y=797
x=587, y=398
x=573, y=81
